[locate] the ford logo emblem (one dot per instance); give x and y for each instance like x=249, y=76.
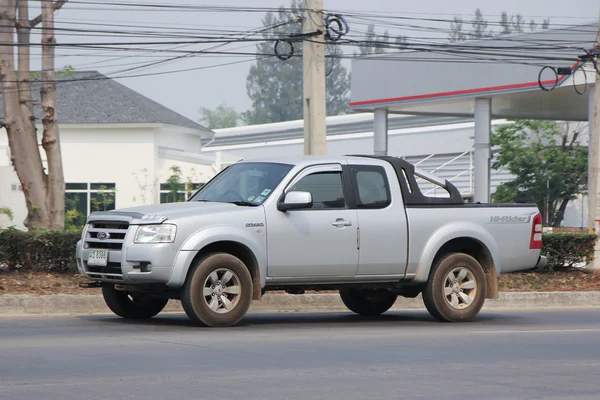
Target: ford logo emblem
x=103, y=235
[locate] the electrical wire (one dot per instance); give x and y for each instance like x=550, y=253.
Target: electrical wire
x=521, y=51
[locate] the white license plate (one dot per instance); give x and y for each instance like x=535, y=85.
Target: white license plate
x=98, y=258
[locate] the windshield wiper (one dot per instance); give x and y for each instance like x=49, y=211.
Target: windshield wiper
x=242, y=203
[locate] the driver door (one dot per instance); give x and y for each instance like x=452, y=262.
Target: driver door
x=317, y=241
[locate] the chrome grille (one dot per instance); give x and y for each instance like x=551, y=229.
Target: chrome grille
x=107, y=235
x=112, y=235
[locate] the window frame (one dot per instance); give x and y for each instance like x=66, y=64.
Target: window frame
x=323, y=168
x=354, y=169
x=88, y=192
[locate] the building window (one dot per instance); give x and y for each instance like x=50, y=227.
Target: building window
x=177, y=192
x=16, y=188
x=83, y=198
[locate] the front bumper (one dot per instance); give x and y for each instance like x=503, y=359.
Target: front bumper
x=132, y=263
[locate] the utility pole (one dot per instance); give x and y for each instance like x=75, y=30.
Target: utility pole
x=594, y=154
x=313, y=58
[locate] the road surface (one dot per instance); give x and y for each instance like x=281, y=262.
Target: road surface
x=508, y=354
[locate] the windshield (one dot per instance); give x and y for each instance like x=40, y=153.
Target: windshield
x=244, y=184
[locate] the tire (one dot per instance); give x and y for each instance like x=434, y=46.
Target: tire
x=132, y=305
x=456, y=289
x=368, y=302
x=208, y=296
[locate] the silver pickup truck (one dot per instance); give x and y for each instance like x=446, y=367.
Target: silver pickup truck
x=361, y=225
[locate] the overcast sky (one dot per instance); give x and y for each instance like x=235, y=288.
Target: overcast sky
x=186, y=92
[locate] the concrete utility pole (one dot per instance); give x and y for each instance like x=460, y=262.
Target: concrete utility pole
x=594, y=156
x=483, y=124
x=313, y=58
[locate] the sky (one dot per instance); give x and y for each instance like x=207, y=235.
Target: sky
x=187, y=92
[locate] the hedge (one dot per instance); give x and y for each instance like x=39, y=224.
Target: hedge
x=54, y=251
x=48, y=250
x=567, y=250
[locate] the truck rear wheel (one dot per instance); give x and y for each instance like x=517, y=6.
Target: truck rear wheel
x=218, y=291
x=368, y=302
x=456, y=288
x=132, y=305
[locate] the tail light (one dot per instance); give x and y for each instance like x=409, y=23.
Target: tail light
x=536, y=233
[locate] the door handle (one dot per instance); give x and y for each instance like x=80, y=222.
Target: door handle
x=341, y=222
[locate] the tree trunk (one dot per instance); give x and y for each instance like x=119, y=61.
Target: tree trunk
x=55, y=196
x=23, y=144
x=24, y=38
x=560, y=213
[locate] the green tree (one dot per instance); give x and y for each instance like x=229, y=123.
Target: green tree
x=508, y=24
x=546, y=23
x=275, y=87
x=179, y=188
x=456, y=30
x=176, y=185
x=377, y=44
x=43, y=185
x=518, y=23
x=505, y=24
x=480, y=25
x=223, y=116
x=549, y=164
x=103, y=199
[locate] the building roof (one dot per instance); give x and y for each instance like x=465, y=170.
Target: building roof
x=89, y=97
x=336, y=126
x=444, y=82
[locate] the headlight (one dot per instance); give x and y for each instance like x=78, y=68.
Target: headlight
x=163, y=233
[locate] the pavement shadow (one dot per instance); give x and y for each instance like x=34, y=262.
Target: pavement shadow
x=405, y=318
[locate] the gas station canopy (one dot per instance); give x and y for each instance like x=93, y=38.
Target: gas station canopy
x=539, y=75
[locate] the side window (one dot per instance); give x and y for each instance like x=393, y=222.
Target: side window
x=372, y=187
x=326, y=189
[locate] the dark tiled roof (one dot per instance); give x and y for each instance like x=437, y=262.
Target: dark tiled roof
x=88, y=97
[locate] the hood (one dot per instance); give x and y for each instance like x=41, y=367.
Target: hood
x=170, y=211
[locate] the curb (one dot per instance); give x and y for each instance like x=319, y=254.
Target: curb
x=12, y=305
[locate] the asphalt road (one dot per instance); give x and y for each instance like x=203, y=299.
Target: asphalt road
x=552, y=354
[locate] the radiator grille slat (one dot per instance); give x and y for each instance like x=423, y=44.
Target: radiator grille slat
x=107, y=235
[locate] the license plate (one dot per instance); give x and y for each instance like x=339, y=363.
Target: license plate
x=98, y=258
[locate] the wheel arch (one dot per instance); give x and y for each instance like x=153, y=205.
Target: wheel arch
x=226, y=239
x=466, y=238
x=236, y=249
x=479, y=251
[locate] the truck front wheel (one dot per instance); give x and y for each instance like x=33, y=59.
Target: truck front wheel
x=218, y=291
x=132, y=305
x=368, y=302
x=456, y=288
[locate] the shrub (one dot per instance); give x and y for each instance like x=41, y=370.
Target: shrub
x=47, y=250
x=566, y=250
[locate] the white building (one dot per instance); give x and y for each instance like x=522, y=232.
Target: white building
x=116, y=140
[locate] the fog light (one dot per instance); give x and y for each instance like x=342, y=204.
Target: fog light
x=146, y=267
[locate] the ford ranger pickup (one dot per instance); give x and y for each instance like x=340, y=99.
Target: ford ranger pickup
x=372, y=228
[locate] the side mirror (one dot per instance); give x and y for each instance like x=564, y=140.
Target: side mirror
x=295, y=201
